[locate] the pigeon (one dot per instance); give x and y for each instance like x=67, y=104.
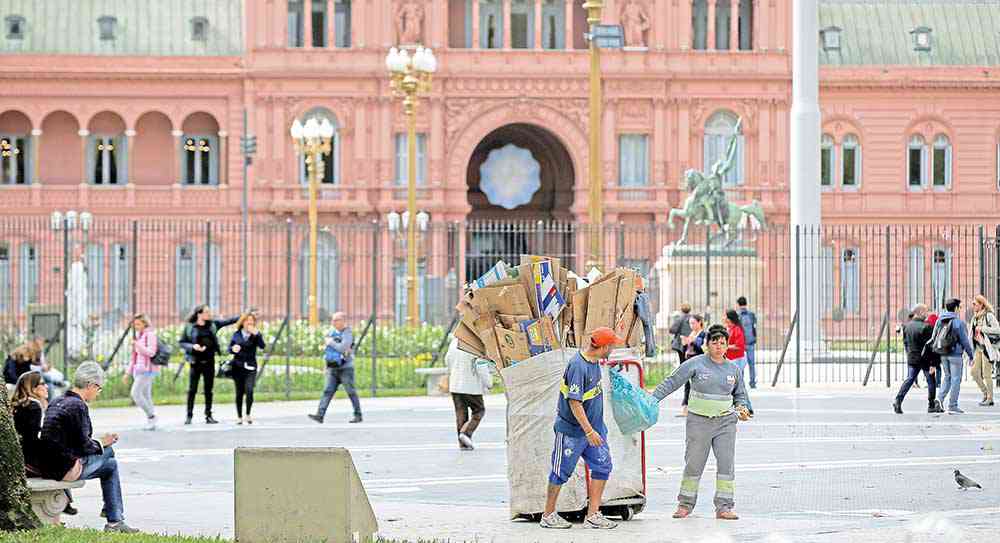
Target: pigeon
x=964, y=482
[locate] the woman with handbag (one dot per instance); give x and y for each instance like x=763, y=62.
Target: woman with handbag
x=141, y=367
x=985, y=333
x=201, y=344
x=243, y=345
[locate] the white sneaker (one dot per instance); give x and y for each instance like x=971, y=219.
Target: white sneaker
x=151, y=423
x=466, y=440
x=600, y=522
x=554, y=521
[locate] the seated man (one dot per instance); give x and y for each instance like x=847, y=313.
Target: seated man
x=67, y=422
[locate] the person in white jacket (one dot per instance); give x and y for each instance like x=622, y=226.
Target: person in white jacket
x=468, y=379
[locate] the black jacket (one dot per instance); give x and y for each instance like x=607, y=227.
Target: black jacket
x=204, y=335
x=13, y=369
x=247, y=357
x=67, y=423
x=46, y=458
x=916, y=334
x=681, y=327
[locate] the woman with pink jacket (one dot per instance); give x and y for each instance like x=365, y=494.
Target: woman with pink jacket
x=141, y=369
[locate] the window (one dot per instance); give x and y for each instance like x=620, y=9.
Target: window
x=718, y=133
x=185, y=286
x=723, y=12
x=915, y=277
x=95, y=277
x=826, y=161
x=633, y=160
x=490, y=24
x=921, y=38
x=342, y=21
x=831, y=38
x=5, y=285
x=402, y=167
x=940, y=276
x=106, y=159
x=108, y=25
x=850, y=291
x=199, y=29
x=319, y=23
x=850, y=174
x=28, y=275
x=121, y=272
x=14, y=162
x=522, y=24
x=200, y=160
x=916, y=162
x=331, y=160
x=942, y=161
x=402, y=297
x=296, y=26
x=553, y=24
x=15, y=27
x=699, y=24
x=327, y=266
x=746, y=25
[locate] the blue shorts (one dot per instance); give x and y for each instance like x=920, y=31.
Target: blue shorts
x=567, y=452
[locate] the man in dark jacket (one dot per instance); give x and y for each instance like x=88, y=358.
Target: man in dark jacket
x=916, y=334
x=681, y=328
x=67, y=423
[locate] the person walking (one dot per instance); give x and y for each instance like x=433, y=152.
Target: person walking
x=339, y=357
x=985, y=333
x=718, y=399
x=18, y=363
x=680, y=328
x=469, y=378
x=141, y=368
x=737, y=346
x=243, y=346
x=694, y=346
x=916, y=334
x=748, y=320
x=580, y=432
x=949, y=340
x=200, y=342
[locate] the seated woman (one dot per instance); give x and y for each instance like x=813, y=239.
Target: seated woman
x=42, y=458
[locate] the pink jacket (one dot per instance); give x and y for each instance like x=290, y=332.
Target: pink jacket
x=143, y=348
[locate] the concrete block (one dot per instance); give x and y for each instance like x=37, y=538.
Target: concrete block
x=300, y=494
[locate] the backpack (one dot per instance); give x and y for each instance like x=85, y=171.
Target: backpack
x=944, y=337
x=163, y=353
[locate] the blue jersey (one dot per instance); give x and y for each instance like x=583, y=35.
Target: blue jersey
x=581, y=382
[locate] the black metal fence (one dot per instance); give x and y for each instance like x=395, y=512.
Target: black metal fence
x=863, y=277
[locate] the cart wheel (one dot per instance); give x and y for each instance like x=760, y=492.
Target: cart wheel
x=626, y=513
x=535, y=517
x=636, y=509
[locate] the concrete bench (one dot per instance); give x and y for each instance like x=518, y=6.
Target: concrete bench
x=435, y=380
x=48, y=497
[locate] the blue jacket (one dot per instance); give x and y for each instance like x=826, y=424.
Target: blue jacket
x=749, y=322
x=963, y=344
x=340, y=349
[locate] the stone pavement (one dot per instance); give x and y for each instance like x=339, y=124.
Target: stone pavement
x=818, y=464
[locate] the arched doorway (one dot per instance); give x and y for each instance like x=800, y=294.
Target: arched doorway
x=518, y=176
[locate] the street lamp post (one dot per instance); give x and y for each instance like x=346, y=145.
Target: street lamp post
x=312, y=141
x=594, y=8
x=408, y=77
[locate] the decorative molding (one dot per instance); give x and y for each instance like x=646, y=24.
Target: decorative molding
x=560, y=86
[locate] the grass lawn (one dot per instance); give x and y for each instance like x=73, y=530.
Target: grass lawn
x=68, y=535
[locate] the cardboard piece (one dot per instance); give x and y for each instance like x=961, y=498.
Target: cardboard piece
x=601, y=305
x=541, y=335
x=465, y=347
x=581, y=299
x=528, y=282
x=469, y=337
x=512, y=322
x=507, y=300
x=513, y=345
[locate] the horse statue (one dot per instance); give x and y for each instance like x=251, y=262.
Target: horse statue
x=707, y=204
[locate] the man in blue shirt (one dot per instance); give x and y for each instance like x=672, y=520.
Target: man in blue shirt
x=951, y=363
x=580, y=431
x=339, y=357
x=748, y=320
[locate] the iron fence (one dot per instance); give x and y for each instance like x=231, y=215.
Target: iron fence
x=864, y=277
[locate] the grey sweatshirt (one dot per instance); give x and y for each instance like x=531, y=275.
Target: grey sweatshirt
x=706, y=377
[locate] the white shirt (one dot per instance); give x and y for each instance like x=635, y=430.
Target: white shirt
x=466, y=374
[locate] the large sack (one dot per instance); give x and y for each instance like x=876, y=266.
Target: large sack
x=634, y=409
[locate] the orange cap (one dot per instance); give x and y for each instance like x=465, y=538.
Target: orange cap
x=604, y=336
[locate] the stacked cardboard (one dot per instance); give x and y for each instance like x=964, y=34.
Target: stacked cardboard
x=513, y=313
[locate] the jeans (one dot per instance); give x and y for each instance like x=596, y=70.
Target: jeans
x=334, y=378
x=752, y=361
x=911, y=378
x=198, y=370
x=142, y=392
x=742, y=364
x=951, y=382
x=105, y=467
x=244, y=381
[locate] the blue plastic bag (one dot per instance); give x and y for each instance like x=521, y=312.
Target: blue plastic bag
x=634, y=409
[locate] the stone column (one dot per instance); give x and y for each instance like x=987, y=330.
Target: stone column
x=570, y=40
x=129, y=149
x=734, y=28
x=710, y=30
x=307, y=23
x=223, y=157
x=755, y=37
x=278, y=24
x=83, y=133
x=662, y=15
x=659, y=141
x=331, y=23
x=685, y=34
x=475, y=24
x=763, y=16
x=175, y=160
x=505, y=15
x=538, y=25
x=804, y=190
x=36, y=154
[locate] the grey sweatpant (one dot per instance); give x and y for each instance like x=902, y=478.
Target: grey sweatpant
x=142, y=392
x=719, y=435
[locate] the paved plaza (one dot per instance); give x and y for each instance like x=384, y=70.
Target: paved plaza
x=820, y=464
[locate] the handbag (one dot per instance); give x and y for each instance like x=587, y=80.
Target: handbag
x=225, y=370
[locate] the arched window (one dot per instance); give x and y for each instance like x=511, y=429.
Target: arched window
x=15, y=159
x=342, y=23
x=553, y=24
x=490, y=24
x=916, y=162
x=850, y=168
x=723, y=12
x=522, y=24
x=331, y=160
x=327, y=266
x=718, y=132
x=699, y=24
x=942, y=161
x=296, y=23
x=200, y=159
x=28, y=272
x=827, y=159
x=746, y=25
x=915, y=276
x=940, y=276
x=850, y=291
x=106, y=154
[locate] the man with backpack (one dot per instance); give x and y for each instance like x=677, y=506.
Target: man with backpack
x=916, y=334
x=748, y=321
x=949, y=340
x=339, y=357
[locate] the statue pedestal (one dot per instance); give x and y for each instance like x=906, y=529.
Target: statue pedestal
x=732, y=272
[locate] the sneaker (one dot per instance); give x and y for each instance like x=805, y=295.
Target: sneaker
x=187, y=420
x=249, y=419
x=553, y=520
x=896, y=408
x=316, y=418
x=239, y=421
x=727, y=515
x=120, y=527
x=938, y=408
x=955, y=411
x=210, y=420
x=151, y=423
x=682, y=512
x=355, y=420
x=69, y=510
x=986, y=403
x=600, y=522
x=466, y=441
x=104, y=513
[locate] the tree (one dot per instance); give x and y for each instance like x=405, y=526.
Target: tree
x=15, y=502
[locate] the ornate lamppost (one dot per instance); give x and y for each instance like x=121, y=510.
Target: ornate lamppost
x=312, y=141
x=409, y=76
